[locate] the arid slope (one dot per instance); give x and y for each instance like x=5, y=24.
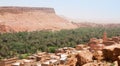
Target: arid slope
x=15, y=19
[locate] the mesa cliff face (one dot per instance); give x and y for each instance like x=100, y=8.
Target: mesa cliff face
x=17, y=19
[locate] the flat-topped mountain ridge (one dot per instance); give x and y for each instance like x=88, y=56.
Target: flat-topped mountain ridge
x=18, y=19
x=13, y=9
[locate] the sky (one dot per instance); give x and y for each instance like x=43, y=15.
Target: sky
x=83, y=10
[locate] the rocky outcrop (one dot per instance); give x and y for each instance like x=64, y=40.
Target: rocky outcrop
x=17, y=19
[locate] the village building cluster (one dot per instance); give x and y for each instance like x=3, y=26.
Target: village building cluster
x=98, y=52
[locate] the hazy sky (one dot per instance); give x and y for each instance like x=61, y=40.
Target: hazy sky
x=93, y=10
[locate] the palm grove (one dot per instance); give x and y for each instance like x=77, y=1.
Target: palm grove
x=25, y=43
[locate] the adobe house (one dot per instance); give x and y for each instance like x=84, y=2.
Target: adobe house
x=110, y=41
x=98, y=44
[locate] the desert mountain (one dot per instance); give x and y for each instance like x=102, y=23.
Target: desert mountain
x=16, y=19
x=88, y=24
x=100, y=23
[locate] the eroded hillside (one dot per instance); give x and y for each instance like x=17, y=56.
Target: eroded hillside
x=15, y=19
